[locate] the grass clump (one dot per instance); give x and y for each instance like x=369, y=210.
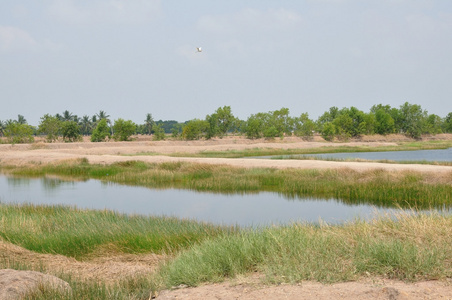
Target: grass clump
x=411, y=248
x=77, y=233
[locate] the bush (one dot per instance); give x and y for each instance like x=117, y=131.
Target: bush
x=123, y=130
x=17, y=133
x=101, y=133
x=71, y=131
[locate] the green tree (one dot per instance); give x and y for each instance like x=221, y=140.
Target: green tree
x=384, y=122
x=433, y=124
x=70, y=131
x=148, y=124
x=123, y=129
x=102, y=132
x=253, y=126
x=159, y=133
x=195, y=129
x=447, y=124
x=304, y=127
x=328, y=131
x=50, y=126
x=414, y=119
x=18, y=133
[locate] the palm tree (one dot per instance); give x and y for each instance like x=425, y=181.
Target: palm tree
x=21, y=119
x=85, y=125
x=2, y=127
x=67, y=116
x=149, y=123
x=103, y=115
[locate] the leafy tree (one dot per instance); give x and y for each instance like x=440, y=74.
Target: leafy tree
x=327, y=117
x=329, y=131
x=413, y=119
x=384, y=122
x=148, y=124
x=195, y=129
x=102, y=132
x=70, y=131
x=123, y=130
x=304, y=127
x=18, y=133
x=253, y=126
x=344, y=127
x=159, y=133
x=225, y=120
x=447, y=124
x=433, y=124
x=50, y=126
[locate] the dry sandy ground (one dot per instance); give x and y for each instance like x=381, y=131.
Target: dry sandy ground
x=250, y=288
x=110, y=152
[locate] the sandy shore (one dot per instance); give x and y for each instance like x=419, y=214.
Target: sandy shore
x=110, y=152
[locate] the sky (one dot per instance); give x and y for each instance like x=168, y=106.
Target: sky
x=133, y=57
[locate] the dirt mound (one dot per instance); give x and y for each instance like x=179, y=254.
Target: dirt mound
x=364, y=290
x=16, y=284
x=109, y=268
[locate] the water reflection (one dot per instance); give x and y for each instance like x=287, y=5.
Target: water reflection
x=234, y=209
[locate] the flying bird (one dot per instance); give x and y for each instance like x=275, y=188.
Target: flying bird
x=198, y=49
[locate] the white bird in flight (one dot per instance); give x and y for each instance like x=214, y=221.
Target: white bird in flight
x=198, y=49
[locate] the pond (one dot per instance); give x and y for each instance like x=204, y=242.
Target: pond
x=259, y=209
x=443, y=155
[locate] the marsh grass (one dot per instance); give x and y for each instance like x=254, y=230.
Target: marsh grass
x=77, y=233
x=406, y=189
x=410, y=248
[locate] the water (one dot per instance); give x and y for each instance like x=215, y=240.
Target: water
x=444, y=155
x=239, y=209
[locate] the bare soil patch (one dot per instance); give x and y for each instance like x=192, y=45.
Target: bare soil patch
x=111, y=152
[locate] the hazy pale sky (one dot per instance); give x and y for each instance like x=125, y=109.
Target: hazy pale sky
x=132, y=57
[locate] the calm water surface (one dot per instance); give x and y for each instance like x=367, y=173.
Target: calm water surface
x=417, y=155
x=239, y=209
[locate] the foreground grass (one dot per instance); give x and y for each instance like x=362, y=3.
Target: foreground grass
x=410, y=248
x=377, y=187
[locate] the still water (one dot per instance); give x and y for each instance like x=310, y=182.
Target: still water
x=418, y=155
x=238, y=209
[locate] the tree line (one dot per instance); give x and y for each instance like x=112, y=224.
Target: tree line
x=335, y=123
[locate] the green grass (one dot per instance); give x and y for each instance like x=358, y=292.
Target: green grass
x=78, y=233
x=410, y=248
x=377, y=187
